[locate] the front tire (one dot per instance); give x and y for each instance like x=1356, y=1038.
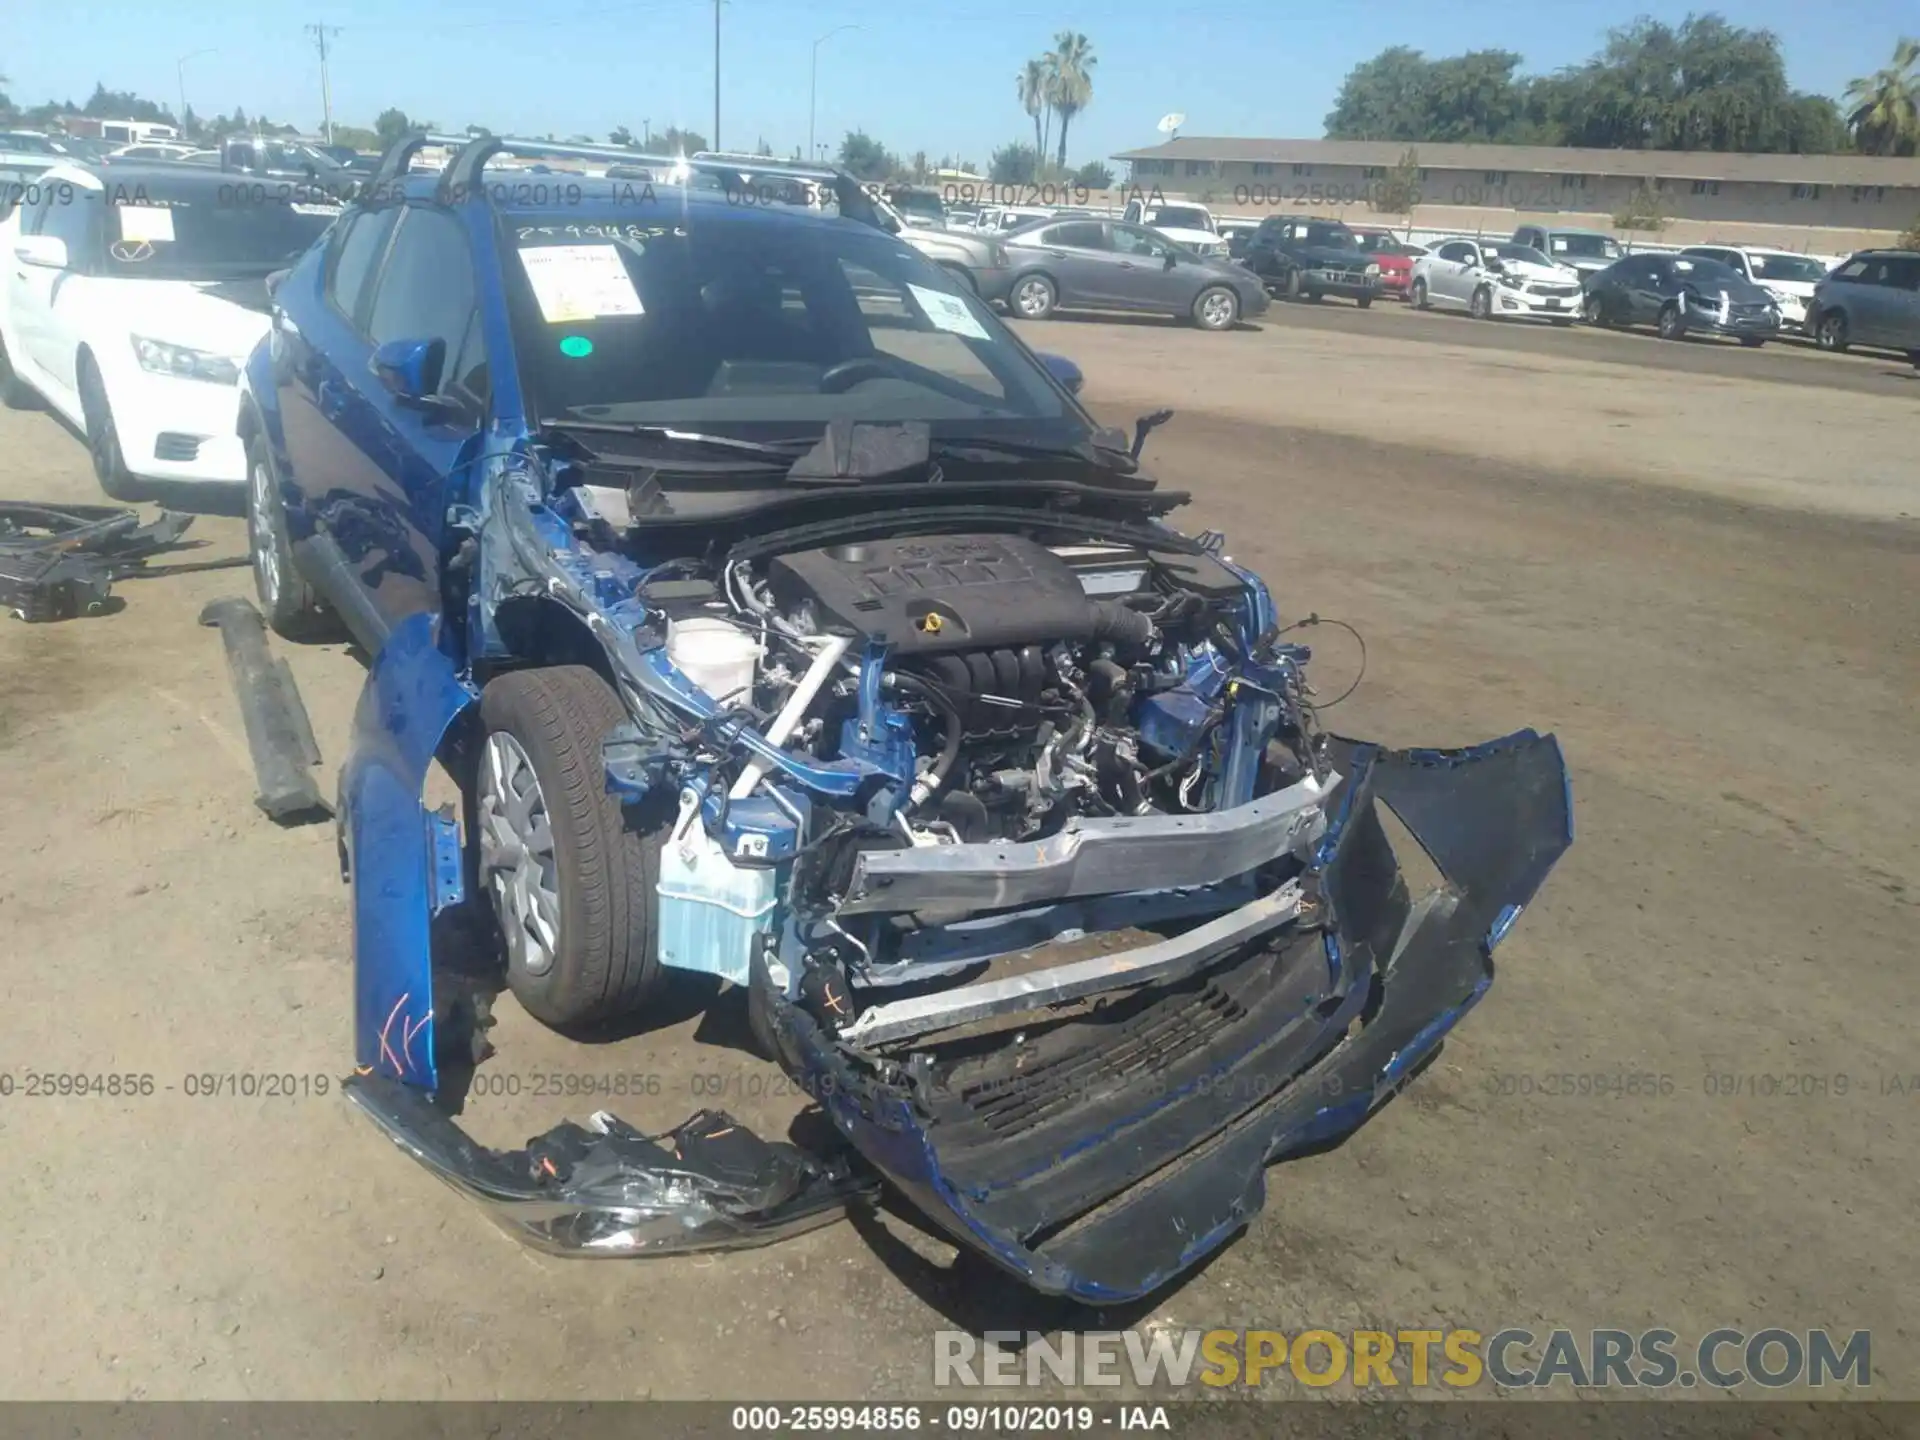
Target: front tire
x=1419, y=296
x=1480, y=307
x=1595, y=311
x=103, y=440
x=1752, y=342
x=1034, y=297
x=1296, y=289
x=1672, y=325
x=1216, y=308
x=1363, y=301
x=571, y=885
x=290, y=604
x=1831, y=334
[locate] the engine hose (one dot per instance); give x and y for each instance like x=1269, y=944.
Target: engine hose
x=927, y=787
x=1121, y=625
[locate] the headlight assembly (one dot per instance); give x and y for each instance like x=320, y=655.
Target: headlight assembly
x=178, y=360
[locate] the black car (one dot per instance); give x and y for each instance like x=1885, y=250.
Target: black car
x=1305, y=259
x=1681, y=293
x=1091, y=264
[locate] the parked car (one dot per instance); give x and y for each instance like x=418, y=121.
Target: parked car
x=1111, y=265
x=1783, y=274
x=782, y=620
x=918, y=205
x=1872, y=299
x=1306, y=259
x=1679, y=294
x=153, y=150
x=1394, y=255
x=1185, y=224
x=32, y=142
x=1495, y=280
x=1008, y=218
x=1587, y=251
x=134, y=295
x=1238, y=231
x=979, y=261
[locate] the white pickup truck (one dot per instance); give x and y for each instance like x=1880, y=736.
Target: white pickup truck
x=1191, y=226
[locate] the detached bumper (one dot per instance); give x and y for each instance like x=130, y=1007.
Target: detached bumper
x=608, y=1190
x=1101, y=1156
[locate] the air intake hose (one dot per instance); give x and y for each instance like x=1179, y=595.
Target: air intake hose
x=1122, y=626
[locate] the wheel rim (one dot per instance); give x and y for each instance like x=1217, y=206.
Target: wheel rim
x=1033, y=297
x=517, y=854
x=1669, y=322
x=1480, y=304
x=1593, y=310
x=1217, y=310
x=266, y=554
x=1830, y=333
x=1420, y=294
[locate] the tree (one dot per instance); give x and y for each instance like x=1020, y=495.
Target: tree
x=1400, y=191
x=358, y=136
x=1910, y=237
x=1031, y=85
x=1883, y=113
x=620, y=135
x=675, y=141
x=1014, y=164
x=864, y=157
x=1094, y=175
x=1701, y=85
x=1070, y=81
x=1643, y=210
x=391, y=124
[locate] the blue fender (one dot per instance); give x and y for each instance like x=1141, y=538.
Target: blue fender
x=412, y=695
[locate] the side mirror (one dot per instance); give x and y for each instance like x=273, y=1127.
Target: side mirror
x=1065, y=371
x=410, y=369
x=47, y=251
x=1173, y=259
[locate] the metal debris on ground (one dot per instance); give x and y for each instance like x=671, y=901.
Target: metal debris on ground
x=59, y=561
x=279, y=734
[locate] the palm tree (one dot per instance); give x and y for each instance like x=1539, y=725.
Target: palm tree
x=1033, y=82
x=1885, y=106
x=1070, y=80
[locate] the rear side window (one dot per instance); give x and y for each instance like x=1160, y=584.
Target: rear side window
x=1080, y=235
x=354, y=256
x=1457, y=251
x=1903, y=273
x=1852, y=270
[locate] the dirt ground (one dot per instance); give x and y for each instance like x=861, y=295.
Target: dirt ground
x=1699, y=580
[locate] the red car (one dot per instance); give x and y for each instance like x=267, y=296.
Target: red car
x=1394, y=255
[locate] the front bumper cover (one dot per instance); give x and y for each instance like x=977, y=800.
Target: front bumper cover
x=1157, y=1169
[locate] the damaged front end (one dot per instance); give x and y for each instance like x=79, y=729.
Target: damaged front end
x=1017, y=822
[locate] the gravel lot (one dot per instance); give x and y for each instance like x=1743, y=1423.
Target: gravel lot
x=1699, y=568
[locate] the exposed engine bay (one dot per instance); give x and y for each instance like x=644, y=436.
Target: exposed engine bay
x=939, y=697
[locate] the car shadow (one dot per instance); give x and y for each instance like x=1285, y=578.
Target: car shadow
x=1133, y=317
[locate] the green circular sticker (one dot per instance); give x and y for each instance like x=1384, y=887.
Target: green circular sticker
x=576, y=346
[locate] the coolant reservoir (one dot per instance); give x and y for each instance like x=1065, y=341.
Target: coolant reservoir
x=714, y=654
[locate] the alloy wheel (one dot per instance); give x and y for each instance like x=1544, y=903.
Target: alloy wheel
x=517, y=854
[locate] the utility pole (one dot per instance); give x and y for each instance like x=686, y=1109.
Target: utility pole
x=319, y=33
x=715, y=142
x=813, y=81
x=646, y=134
x=180, y=70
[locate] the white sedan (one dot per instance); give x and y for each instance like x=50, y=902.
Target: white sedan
x=1495, y=279
x=131, y=309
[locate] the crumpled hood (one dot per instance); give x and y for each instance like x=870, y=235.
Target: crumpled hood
x=1526, y=271
x=221, y=317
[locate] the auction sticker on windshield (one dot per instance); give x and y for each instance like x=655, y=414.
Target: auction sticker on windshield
x=580, y=282
x=948, y=312
x=145, y=223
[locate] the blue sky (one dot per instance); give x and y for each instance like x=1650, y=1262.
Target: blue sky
x=935, y=76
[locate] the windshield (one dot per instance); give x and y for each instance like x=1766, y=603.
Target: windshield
x=918, y=205
x=1337, y=237
x=157, y=237
x=1525, y=254
x=729, y=319
x=1587, y=247
x=1694, y=269
x=1786, y=267
x=1183, y=217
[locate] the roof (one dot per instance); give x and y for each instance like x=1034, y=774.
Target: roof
x=1550, y=160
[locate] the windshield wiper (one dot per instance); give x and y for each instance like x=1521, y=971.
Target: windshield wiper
x=1094, y=452
x=783, y=452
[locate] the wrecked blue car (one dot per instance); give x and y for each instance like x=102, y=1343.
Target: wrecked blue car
x=784, y=620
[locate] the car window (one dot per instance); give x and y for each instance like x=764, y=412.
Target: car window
x=1694, y=267
x=1855, y=269
x=1129, y=241
x=1586, y=247
x=1903, y=272
x=425, y=290
x=75, y=216
x=1079, y=235
x=1457, y=250
x=1338, y=237
x=356, y=252
x=191, y=231
x=1782, y=266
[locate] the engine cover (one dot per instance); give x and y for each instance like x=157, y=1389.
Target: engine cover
x=923, y=594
